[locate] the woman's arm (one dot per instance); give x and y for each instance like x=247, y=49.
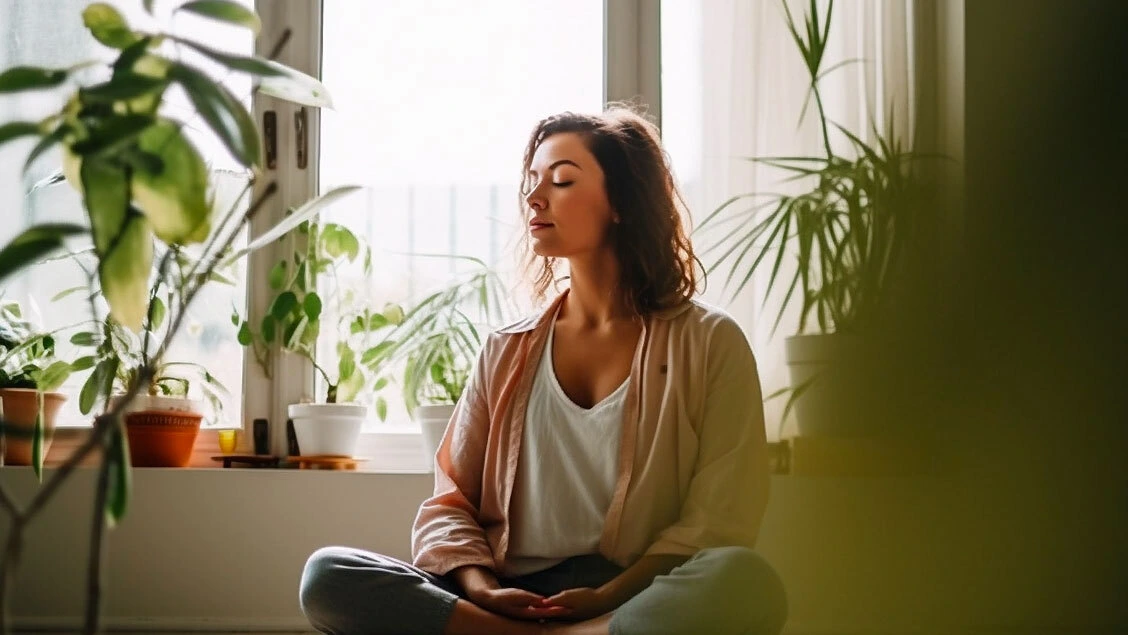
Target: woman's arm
x=475, y=579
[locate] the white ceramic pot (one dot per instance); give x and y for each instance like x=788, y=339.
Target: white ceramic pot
x=823, y=409
x=433, y=420
x=327, y=429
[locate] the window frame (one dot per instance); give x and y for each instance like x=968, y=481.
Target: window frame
x=631, y=71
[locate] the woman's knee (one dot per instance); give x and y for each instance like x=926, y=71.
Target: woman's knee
x=744, y=574
x=319, y=584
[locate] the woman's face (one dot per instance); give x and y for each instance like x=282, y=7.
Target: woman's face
x=568, y=208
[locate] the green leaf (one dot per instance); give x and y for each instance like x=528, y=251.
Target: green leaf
x=53, y=376
x=223, y=112
x=107, y=201
x=175, y=199
x=16, y=129
x=234, y=318
x=277, y=277
x=225, y=11
x=112, y=135
x=382, y=408
x=251, y=65
x=124, y=272
x=19, y=78
x=108, y=26
x=34, y=244
x=123, y=86
x=300, y=215
x=67, y=292
x=374, y=355
x=89, y=393
x=268, y=328
x=45, y=144
x=297, y=87
x=283, y=304
x=82, y=363
x=83, y=339
x=312, y=306
x=244, y=336
x=120, y=477
x=380, y=384
x=158, y=313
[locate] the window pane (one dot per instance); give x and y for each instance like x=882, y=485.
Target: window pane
x=51, y=34
x=434, y=102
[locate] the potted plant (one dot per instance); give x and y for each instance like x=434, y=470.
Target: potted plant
x=847, y=234
x=143, y=183
x=438, y=343
x=323, y=256
x=161, y=421
x=30, y=375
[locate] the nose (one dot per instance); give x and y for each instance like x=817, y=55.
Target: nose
x=535, y=200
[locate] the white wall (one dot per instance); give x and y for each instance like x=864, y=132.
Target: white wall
x=214, y=549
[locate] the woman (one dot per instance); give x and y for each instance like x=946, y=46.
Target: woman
x=606, y=468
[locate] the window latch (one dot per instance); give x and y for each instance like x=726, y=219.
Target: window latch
x=270, y=138
x=301, y=136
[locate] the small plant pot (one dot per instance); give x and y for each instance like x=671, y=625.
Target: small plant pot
x=327, y=429
x=162, y=430
x=825, y=409
x=20, y=409
x=433, y=420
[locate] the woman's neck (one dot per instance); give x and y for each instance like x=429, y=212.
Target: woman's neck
x=594, y=297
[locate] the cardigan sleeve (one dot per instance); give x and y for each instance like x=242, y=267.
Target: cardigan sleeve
x=728, y=491
x=447, y=534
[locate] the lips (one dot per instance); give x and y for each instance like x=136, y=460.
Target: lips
x=539, y=224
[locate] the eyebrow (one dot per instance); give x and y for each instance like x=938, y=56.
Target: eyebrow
x=555, y=164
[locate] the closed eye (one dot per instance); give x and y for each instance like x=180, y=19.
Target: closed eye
x=563, y=183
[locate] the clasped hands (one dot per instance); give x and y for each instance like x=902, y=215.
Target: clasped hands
x=570, y=604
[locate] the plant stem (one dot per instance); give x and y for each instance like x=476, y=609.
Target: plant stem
x=98, y=530
x=822, y=121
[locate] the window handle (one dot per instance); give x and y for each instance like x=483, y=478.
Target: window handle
x=301, y=136
x=270, y=138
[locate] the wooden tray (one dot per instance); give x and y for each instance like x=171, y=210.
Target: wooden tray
x=325, y=462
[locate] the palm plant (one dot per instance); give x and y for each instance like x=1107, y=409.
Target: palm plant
x=847, y=232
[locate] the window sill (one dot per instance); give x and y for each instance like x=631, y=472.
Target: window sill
x=396, y=449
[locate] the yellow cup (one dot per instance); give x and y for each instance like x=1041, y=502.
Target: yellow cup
x=227, y=441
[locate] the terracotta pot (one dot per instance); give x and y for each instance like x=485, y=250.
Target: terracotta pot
x=20, y=410
x=161, y=438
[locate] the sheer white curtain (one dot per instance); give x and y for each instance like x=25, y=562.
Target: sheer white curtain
x=733, y=87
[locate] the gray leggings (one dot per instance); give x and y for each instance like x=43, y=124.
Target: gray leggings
x=726, y=590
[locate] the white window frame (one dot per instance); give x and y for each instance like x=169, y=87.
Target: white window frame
x=631, y=72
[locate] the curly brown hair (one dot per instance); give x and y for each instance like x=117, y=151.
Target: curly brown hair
x=658, y=268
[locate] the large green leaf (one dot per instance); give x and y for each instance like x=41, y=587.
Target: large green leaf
x=108, y=26
x=297, y=87
x=16, y=129
x=34, y=244
x=120, y=477
x=123, y=86
x=251, y=65
x=106, y=190
x=53, y=376
x=124, y=272
x=223, y=112
x=300, y=215
x=19, y=78
x=225, y=11
x=175, y=199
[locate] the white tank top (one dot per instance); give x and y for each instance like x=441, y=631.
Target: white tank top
x=566, y=473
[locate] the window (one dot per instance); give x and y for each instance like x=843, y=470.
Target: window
x=51, y=34
x=434, y=104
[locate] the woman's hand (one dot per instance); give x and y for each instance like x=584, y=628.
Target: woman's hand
x=516, y=603
x=580, y=604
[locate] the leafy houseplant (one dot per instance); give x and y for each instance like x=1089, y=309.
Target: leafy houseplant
x=438, y=343
x=848, y=233
x=321, y=255
x=30, y=375
x=143, y=182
